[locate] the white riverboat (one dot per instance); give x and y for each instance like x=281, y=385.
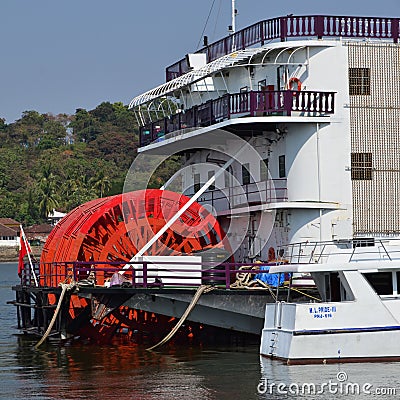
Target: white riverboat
x=287, y=132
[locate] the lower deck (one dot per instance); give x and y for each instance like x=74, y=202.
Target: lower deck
x=101, y=314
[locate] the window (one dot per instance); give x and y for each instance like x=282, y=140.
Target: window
x=227, y=178
x=196, y=179
x=359, y=81
x=381, y=282
x=246, y=174
x=363, y=242
x=282, y=167
x=264, y=169
x=361, y=166
x=210, y=175
x=332, y=287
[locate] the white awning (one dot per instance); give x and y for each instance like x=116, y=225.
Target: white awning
x=196, y=75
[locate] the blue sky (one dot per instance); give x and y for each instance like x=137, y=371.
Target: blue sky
x=58, y=55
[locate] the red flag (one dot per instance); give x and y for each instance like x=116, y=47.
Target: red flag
x=24, y=249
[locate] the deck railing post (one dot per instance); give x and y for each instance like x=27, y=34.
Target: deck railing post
x=133, y=277
x=283, y=28
x=74, y=271
x=261, y=27
x=227, y=276
x=253, y=103
x=319, y=26
x=228, y=106
x=145, y=274
x=288, y=102
x=395, y=29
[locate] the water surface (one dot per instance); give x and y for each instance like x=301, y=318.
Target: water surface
x=83, y=371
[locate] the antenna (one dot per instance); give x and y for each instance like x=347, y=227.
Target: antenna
x=234, y=11
x=232, y=28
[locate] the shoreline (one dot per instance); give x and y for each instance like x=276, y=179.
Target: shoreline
x=11, y=254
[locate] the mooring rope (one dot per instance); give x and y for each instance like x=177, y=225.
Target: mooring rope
x=65, y=287
x=202, y=289
x=304, y=294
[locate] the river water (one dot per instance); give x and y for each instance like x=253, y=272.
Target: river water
x=130, y=372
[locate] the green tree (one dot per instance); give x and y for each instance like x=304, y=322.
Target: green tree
x=101, y=183
x=59, y=162
x=84, y=126
x=47, y=192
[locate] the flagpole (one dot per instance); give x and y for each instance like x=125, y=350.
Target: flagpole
x=29, y=256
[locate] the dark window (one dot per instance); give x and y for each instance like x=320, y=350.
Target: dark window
x=381, y=282
x=262, y=85
x=359, y=81
x=196, y=178
x=332, y=287
x=361, y=166
x=264, y=169
x=364, y=242
x=398, y=281
x=210, y=175
x=282, y=167
x=246, y=174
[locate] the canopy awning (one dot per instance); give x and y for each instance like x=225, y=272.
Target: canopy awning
x=196, y=75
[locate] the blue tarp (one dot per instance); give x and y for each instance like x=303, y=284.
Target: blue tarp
x=270, y=279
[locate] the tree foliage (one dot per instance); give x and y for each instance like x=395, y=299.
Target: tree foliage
x=59, y=162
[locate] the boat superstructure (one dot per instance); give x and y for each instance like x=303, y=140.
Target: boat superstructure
x=314, y=97
x=288, y=132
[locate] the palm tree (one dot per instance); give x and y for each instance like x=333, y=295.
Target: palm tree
x=102, y=183
x=47, y=192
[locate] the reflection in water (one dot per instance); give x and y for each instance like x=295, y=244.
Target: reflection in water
x=126, y=372
x=117, y=372
x=332, y=381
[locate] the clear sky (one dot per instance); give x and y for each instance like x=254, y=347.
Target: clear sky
x=60, y=55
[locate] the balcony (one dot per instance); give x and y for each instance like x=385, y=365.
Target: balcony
x=246, y=195
x=295, y=27
x=245, y=104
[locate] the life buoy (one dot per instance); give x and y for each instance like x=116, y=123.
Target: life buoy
x=295, y=81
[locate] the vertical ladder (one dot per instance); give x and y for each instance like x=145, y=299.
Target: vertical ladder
x=277, y=326
x=273, y=345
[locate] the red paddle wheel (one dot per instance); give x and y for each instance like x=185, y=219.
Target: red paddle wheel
x=117, y=227
x=114, y=229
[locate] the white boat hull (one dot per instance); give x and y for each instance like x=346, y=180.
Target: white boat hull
x=352, y=346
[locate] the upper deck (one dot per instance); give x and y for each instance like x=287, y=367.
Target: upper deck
x=260, y=71
x=295, y=27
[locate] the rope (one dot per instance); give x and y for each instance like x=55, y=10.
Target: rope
x=260, y=282
x=65, y=287
x=202, y=289
x=304, y=294
x=243, y=278
x=205, y=26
